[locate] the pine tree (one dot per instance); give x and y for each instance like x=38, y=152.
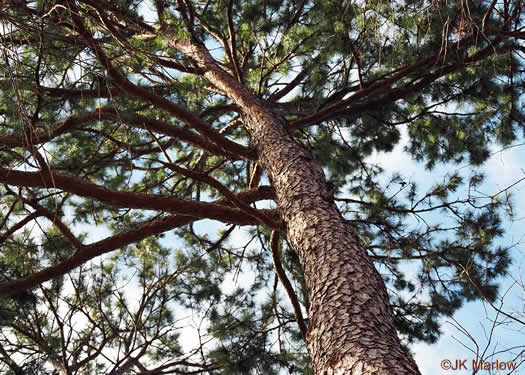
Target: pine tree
x=146, y=118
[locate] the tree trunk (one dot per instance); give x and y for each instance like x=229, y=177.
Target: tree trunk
x=351, y=329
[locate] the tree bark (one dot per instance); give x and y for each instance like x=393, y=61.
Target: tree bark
x=351, y=328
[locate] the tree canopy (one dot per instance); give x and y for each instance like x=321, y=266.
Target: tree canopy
x=131, y=117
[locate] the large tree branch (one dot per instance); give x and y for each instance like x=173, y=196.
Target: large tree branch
x=71, y=93
x=8, y=360
x=131, y=119
x=151, y=228
x=349, y=107
x=196, y=209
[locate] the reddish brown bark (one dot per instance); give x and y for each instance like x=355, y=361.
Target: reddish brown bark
x=196, y=209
